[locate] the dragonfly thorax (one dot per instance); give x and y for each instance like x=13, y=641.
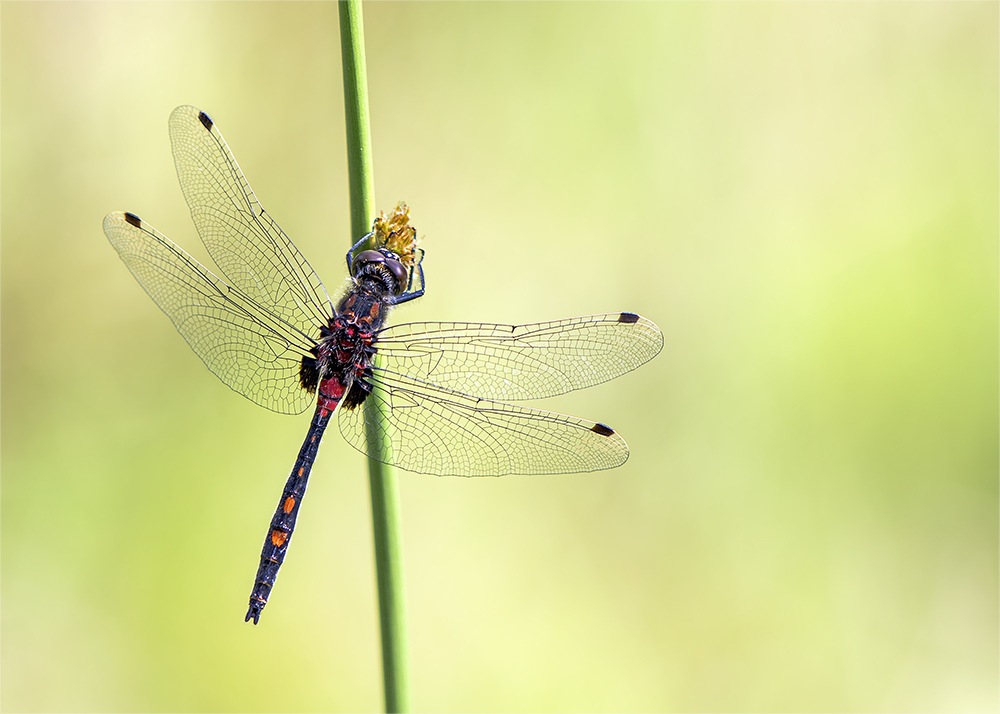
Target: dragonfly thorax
x=344, y=349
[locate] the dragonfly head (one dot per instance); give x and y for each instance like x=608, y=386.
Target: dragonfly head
x=383, y=266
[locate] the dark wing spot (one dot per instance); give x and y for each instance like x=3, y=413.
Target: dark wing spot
x=133, y=219
x=628, y=318
x=205, y=120
x=602, y=429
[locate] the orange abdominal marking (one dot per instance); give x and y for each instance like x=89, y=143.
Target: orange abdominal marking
x=289, y=503
x=278, y=538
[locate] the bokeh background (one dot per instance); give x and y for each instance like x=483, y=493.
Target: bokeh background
x=803, y=196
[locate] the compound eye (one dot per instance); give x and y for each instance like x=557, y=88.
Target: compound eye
x=365, y=257
x=400, y=273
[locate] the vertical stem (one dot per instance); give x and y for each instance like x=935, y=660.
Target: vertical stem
x=382, y=478
x=359, y=139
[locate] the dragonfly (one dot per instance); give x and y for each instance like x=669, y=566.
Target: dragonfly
x=428, y=397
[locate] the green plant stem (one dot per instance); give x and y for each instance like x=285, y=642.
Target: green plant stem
x=382, y=478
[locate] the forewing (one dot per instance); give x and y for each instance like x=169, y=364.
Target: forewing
x=253, y=351
x=516, y=362
x=429, y=429
x=250, y=249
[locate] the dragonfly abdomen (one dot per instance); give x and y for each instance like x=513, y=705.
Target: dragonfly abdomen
x=279, y=535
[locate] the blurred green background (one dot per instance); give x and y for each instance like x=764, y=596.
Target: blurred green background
x=803, y=196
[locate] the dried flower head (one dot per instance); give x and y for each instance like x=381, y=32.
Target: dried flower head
x=395, y=233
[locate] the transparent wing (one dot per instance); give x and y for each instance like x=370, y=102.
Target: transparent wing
x=250, y=349
x=250, y=249
x=429, y=429
x=515, y=362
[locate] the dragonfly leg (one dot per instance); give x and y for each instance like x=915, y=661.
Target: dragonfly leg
x=410, y=293
x=350, y=253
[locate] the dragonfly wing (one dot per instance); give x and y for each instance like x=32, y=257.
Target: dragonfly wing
x=247, y=347
x=515, y=362
x=426, y=428
x=252, y=252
